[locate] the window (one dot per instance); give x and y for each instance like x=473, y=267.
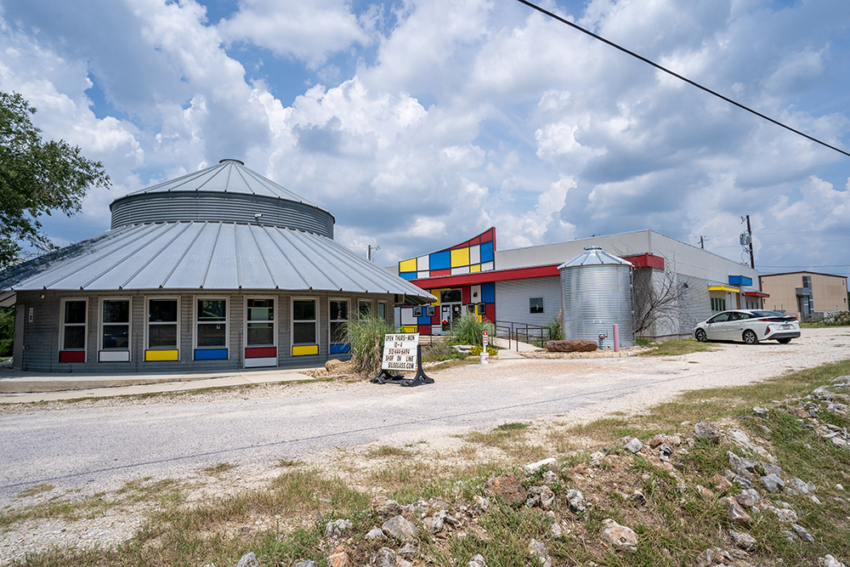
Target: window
x=364, y=307
x=722, y=318
x=74, y=326
x=211, y=321
x=304, y=321
x=260, y=321
x=338, y=319
x=535, y=305
x=382, y=309
x=162, y=324
x=718, y=304
x=451, y=296
x=115, y=324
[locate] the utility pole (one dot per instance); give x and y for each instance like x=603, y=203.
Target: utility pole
x=702, y=240
x=750, y=232
x=369, y=252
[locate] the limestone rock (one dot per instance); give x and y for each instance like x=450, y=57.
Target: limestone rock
x=804, y=487
x=400, y=528
x=773, y=483
x=634, y=446
x=704, y=430
x=621, y=537
x=550, y=463
x=384, y=557
x=307, y=563
x=721, y=483
x=550, y=478
x=575, y=499
x=376, y=533
x=408, y=551
x=508, y=488
x=744, y=541
x=571, y=345
x=538, y=550
x=556, y=530
x=434, y=524
x=673, y=440
x=248, y=560
x=337, y=366
x=748, y=498
x=714, y=556
x=802, y=533
x=706, y=493
x=737, y=515
x=830, y=561
x=337, y=527
x=477, y=561
x=339, y=558
x=385, y=507
x=541, y=496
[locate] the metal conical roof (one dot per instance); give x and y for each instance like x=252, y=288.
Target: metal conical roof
x=227, y=176
x=594, y=256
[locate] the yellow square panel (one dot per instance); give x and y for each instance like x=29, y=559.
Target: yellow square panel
x=460, y=257
x=305, y=350
x=409, y=329
x=474, y=268
x=154, y=355
x=407, y=266
x=436, y=293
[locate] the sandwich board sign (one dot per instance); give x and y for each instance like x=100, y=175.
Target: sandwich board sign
x=402, y=353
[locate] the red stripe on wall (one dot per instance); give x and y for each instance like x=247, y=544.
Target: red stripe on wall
x=260, y=352
x=485, y=277
x=72, y=356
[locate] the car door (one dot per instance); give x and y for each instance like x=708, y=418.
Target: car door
x=716, y=327
x=734, y=327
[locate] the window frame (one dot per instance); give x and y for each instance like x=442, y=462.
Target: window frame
x=103, y=323
x=195, y=322
x=246, y=322
x=371, y=303
x=330, y=320
x=315, y=321
x=148, y=322
x=531, y=306
x=382, y=305
x=84, y=324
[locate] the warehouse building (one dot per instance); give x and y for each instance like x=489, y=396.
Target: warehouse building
x=522, y=287
x=805, y=295
x=219, y=269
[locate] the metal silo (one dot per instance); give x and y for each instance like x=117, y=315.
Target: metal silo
x=596, y=292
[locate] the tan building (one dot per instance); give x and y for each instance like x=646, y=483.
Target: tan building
x=803, y=294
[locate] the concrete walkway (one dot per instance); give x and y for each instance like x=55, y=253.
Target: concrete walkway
x=17, y=386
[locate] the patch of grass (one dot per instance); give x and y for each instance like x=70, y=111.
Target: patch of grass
x=677, y=347
x=286, y=463
x=387, y=451
x=36, y=490
x=220, y=468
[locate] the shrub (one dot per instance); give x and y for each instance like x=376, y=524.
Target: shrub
x=469, y=330
x=438, y=352
x=366, y=336
x=555, y=331
x=476, y=351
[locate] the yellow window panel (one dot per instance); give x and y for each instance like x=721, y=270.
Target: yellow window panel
x=474, y=268
x=409, y=329
x=407, y=265
x=156, y=355
x=460, y=257
x=305, y=350
x=436, y=293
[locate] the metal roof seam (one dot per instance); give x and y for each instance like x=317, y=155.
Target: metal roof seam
x=321, y=271
x=248, y=185
x=262, y=256
x=212, y=253
x=346, y=258
x=276, y=231
x=156, y=254
x=238, y=259
x=276, y=190
x=218, y=167
x=384, y=275
x=85, y=265
x=182, y=256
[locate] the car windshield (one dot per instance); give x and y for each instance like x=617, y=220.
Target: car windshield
x=768, y=314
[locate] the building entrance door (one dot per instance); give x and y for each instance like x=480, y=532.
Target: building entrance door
x=451, y=308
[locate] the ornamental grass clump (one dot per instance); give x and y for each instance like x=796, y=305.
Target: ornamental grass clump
x=468, y=330
x=366, y=337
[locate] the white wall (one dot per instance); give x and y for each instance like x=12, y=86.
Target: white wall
x=512, y=300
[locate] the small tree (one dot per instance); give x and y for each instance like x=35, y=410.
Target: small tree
x=36, y=177
x=468, y=330
x=656, y=300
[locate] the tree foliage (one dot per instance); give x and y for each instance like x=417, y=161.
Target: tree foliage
x=36, y=178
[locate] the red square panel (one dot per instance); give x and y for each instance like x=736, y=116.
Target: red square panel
x=424, y=329
x=72, y=356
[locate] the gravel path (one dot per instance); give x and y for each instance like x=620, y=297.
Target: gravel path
x=107, y=442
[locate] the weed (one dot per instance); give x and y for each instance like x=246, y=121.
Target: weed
x=219, y=468
x=36, y=490
x=676, y=348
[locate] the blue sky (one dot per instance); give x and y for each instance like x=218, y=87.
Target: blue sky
x=420, y=124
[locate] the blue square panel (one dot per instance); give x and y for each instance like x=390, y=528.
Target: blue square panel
x=487, y=252
x=441, y=260
x=488, y=293
x=210, y=354
x=408, y=275
x=339, y=349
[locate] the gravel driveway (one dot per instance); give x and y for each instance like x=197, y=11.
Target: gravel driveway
x=105, y=443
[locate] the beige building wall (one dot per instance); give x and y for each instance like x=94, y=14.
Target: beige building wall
x=828, y=292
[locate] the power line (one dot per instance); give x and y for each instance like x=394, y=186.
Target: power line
x=678, y=76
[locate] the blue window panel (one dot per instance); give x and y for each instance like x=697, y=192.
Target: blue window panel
x=488, y=293
x=424, y=320
x=441, y=260
x=740, y=280
x=408, y=275
x=487, y=252
x=211, y=354
x=339, y=349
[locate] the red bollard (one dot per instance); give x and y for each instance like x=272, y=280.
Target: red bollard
x=616, y=337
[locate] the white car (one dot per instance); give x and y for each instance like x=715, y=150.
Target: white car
x=748, y=325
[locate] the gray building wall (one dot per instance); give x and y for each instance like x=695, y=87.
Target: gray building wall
x=37, y=343
x=512, y=300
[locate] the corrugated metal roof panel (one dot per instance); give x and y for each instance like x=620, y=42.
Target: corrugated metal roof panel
x=210, y=256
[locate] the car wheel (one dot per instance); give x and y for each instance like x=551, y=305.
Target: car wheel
x=783, y=341
x=701, y=336
x=750, y=337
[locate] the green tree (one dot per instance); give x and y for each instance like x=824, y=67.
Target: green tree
x=36, y=178
x=7, y=330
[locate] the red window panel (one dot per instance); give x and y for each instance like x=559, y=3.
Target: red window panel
x=72, y=356
x=260, y=352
